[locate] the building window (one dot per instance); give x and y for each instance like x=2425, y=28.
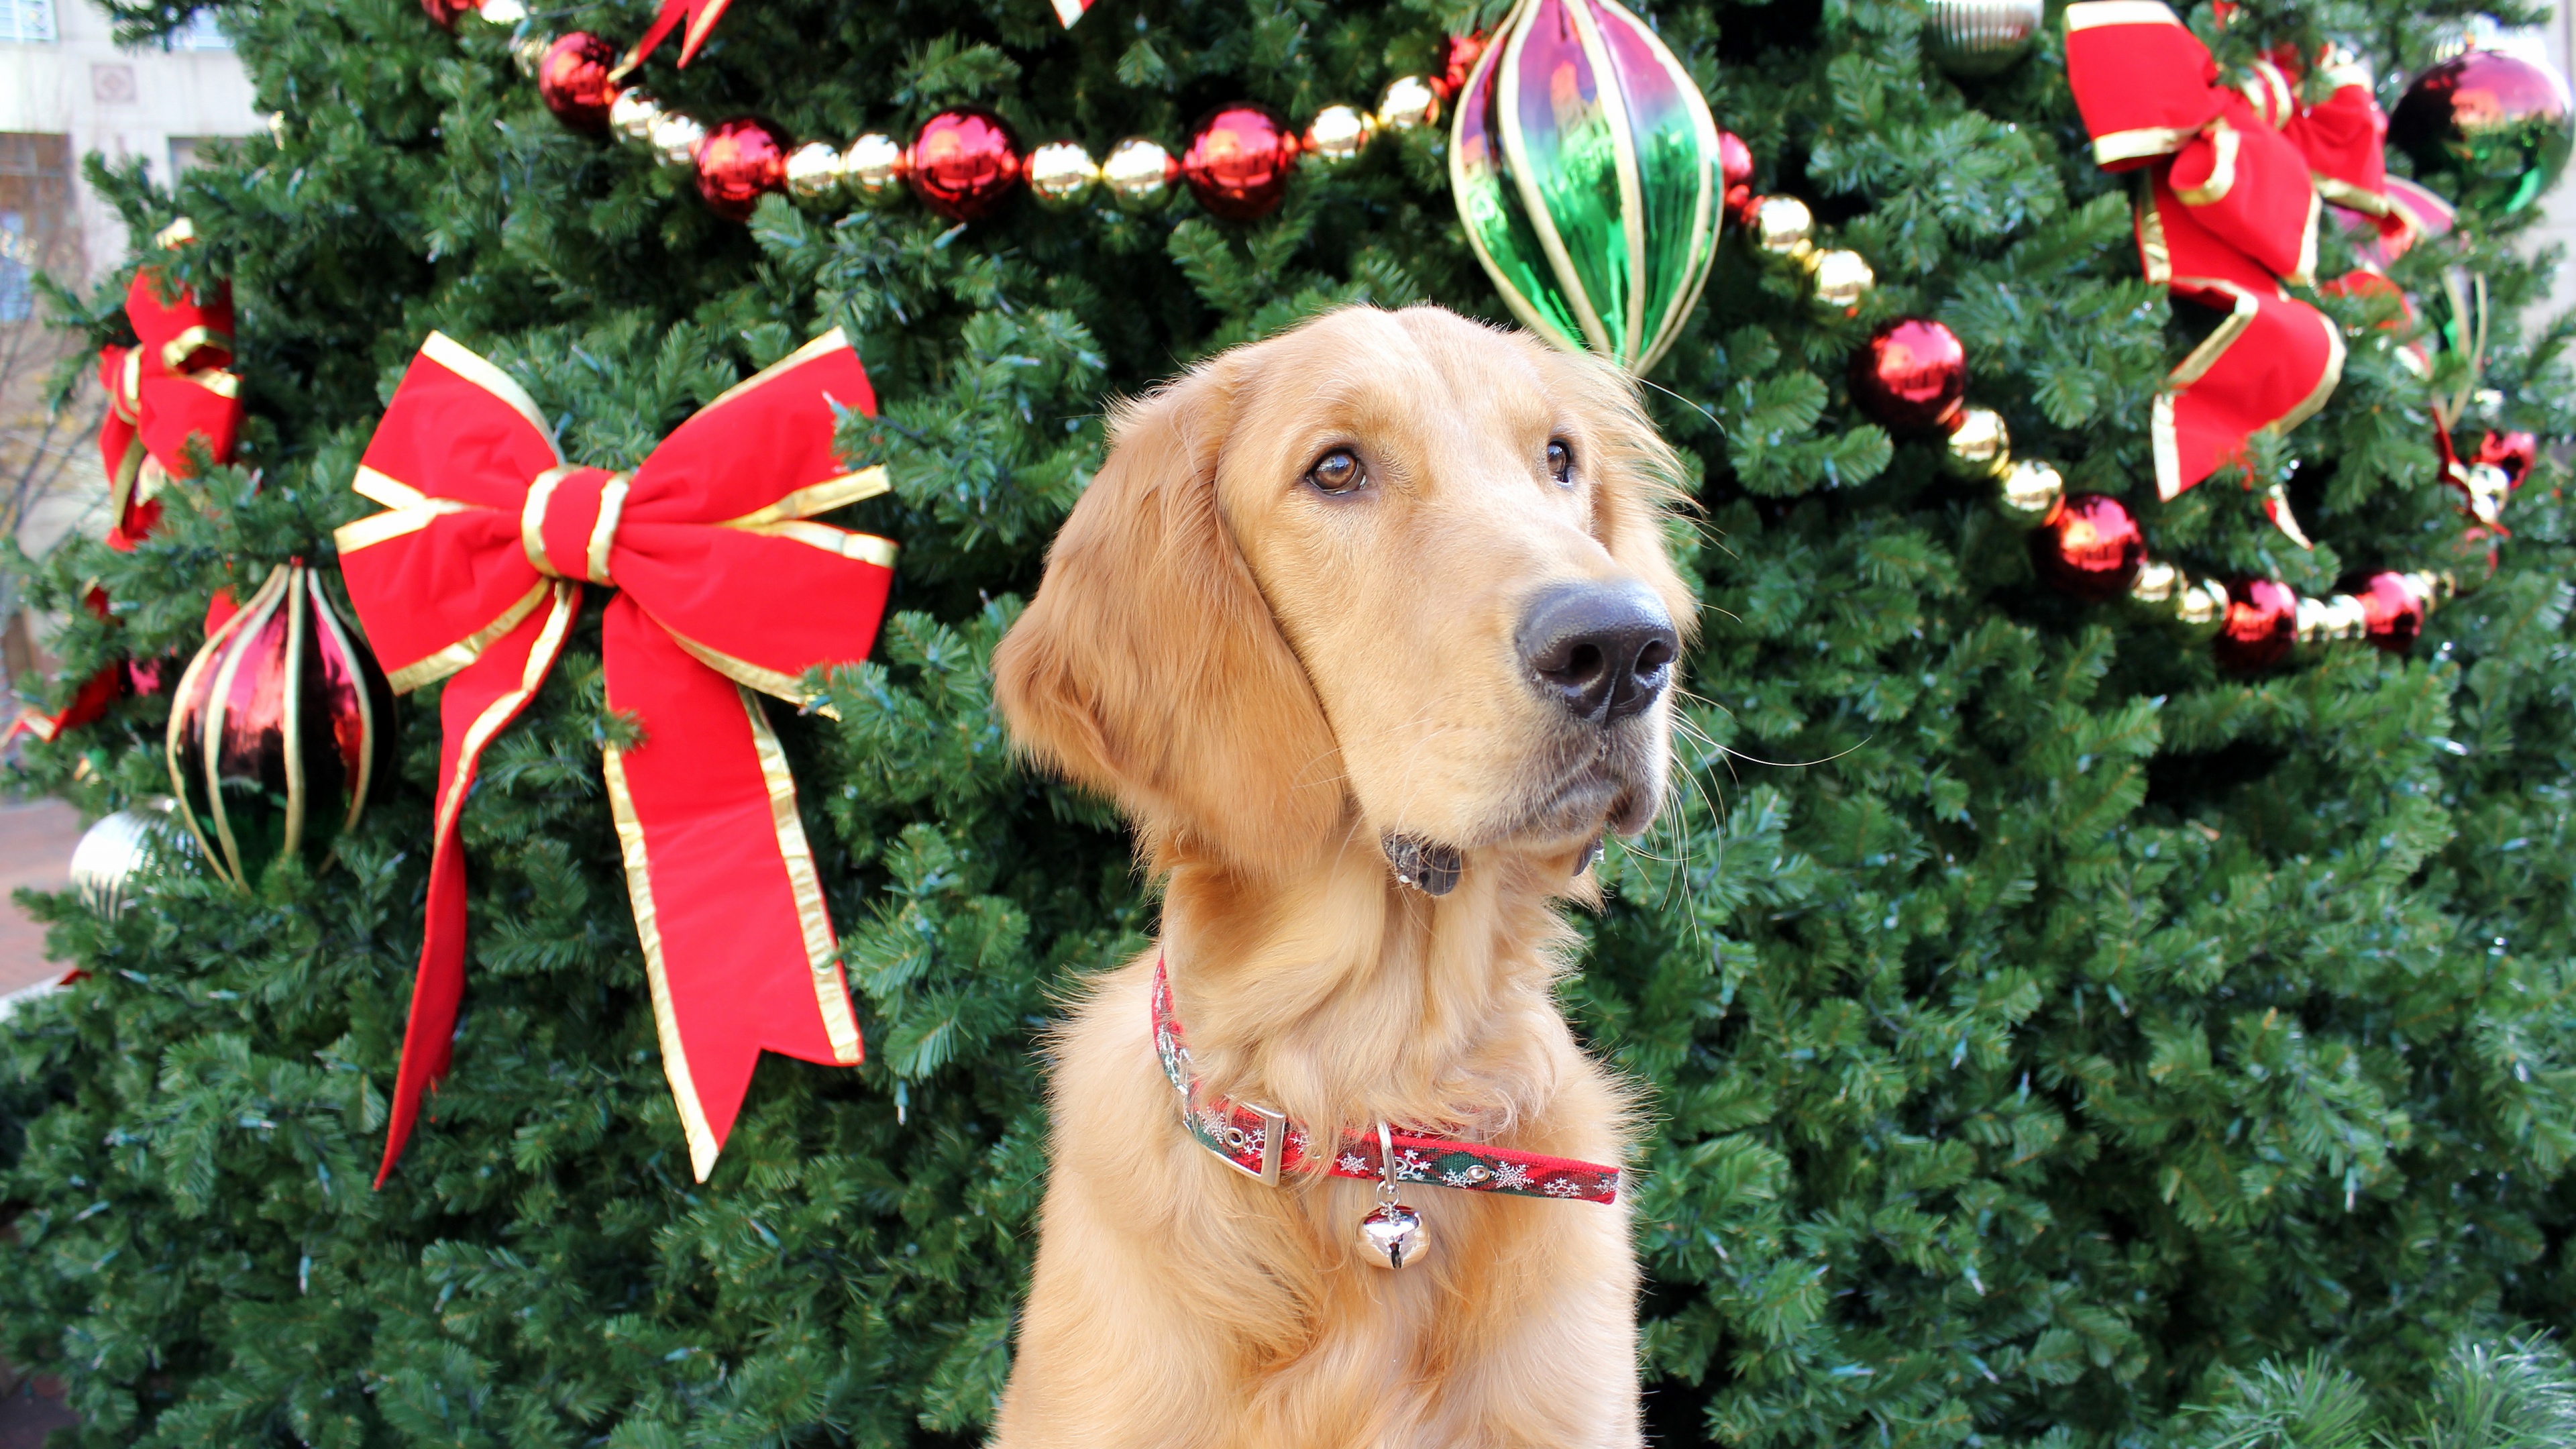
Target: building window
x=36, y=228
x=27, y=22
x=200, y=33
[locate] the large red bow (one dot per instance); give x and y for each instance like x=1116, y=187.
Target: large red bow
x=170, y=386
x=2230, y=213
x=724, y=587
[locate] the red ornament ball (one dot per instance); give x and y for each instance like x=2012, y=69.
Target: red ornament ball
x=448, y=12
x=1735, y=173
x=2091, y=548
x=963, y=163
x=2512, y=452
x=1911, y=375
x=1457, y=60
x=738, y=162
x=574, y=81
x=2392, y=612
x=1238, y=161
x=2262, y=623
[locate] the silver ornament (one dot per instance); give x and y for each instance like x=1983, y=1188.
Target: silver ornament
x=1971, y=38
x=114, y=857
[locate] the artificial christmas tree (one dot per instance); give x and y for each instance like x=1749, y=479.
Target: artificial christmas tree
x=2037, y=1022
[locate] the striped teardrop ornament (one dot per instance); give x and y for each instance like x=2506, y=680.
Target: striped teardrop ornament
x=1584, y=162
x=280, y=729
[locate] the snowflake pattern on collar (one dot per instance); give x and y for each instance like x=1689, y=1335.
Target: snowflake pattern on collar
x=1240, y=1135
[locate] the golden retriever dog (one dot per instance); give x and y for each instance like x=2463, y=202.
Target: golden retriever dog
x=1369, y=630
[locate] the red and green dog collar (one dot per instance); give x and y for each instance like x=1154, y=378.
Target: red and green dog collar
x=1258, y=1142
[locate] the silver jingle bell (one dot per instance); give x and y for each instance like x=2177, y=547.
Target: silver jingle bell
x=1393, y=1235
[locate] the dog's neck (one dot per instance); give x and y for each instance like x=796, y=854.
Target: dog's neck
x=1342, y=998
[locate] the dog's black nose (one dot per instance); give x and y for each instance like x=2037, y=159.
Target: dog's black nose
x=1604, y=650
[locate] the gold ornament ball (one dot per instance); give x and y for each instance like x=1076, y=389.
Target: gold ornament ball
x=1843, y=278
x=528, y=51
x=1339, y=134
x=1139, y=174
x=873, y=167
x=1783, y=227
x=503, y=12
x=2489, y=487
x=1409, y=104
x=2202, y=607
x=2155, y=586
x=1060, y=174
x=675, y=139
x=2031, y=493
x=2331, y=620
x=814, y=171
x=633, y=113
x=1980, y=446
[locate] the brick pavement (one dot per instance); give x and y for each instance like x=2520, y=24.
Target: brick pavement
x=36, y=840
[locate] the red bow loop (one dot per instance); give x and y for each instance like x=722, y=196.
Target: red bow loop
x=725, y=585
x=2227, y=214
x=170, y=386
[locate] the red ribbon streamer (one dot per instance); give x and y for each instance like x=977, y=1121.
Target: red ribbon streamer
x=169, y=387
x=701, y=16
x=725, y=587
x=2230, y=213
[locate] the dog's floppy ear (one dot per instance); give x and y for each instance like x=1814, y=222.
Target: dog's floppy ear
x=1149, y=666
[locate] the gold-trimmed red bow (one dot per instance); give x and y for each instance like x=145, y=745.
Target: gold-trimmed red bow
x=2229, y=213
x=725, y=587
x=170, y=386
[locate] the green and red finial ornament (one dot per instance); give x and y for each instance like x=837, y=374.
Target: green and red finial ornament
x=1585, y=165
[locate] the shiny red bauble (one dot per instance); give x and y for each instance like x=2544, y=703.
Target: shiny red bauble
x=1238, y=161
x=2262, y=623
x=573, y=80
x=448, y=12
x=2392, y=611
x=1911, y=375
x=739, y=162
x=2091, y=548
x=1735, y=176
x=963, y=163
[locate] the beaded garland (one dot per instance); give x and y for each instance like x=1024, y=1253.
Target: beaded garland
x=964, y=162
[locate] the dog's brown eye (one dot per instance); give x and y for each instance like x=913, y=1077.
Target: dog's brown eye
x=1337, y=472
x=1560, y=462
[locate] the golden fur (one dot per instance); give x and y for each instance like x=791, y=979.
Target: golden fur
x=1269, y=681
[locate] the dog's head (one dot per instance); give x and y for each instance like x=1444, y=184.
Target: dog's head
x=1390, y=575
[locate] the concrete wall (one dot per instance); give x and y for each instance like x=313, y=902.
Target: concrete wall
x=119, y=103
